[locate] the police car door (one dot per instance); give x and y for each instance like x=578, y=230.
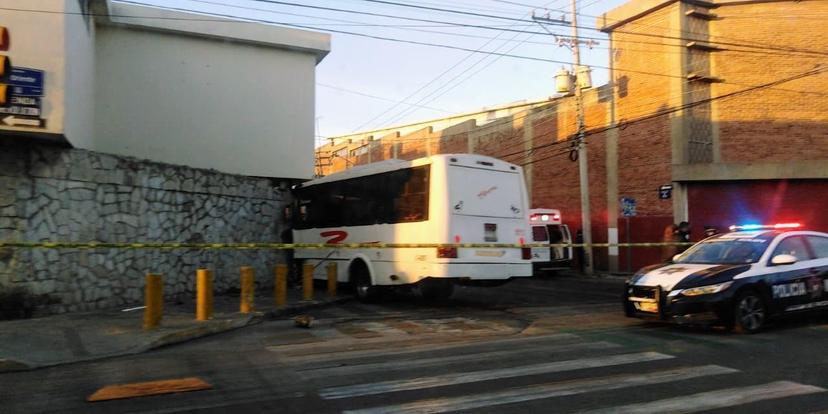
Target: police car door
x=819, y=269
x=791, y=285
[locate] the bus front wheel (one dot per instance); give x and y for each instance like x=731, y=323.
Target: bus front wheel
x=363, y=289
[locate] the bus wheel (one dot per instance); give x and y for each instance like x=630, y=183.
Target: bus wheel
x=436, y=289
x=361, y=283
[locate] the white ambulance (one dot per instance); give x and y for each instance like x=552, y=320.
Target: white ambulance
x=548, y=228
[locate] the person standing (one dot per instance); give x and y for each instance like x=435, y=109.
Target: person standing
x=671, y=236
x=683, y=234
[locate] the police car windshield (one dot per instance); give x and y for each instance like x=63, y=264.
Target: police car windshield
x=725, y=251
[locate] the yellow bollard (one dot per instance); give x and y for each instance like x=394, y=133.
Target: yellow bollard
x=280, y=285
x=204, y=294
x=246, y=289
x=154, y=301
x=332, y=279
x=307, y=282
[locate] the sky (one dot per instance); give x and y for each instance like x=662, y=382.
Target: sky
x=368, y=83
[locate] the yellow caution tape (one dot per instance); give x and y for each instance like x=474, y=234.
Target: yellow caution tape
x=292, y=246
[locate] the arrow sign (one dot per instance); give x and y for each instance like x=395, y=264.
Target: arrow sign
x=12, y=120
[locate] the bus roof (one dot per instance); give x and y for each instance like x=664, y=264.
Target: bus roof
x=474, y=160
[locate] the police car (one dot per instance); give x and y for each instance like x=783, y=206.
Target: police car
x=739, y=279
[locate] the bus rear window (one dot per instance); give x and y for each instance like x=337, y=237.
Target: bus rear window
x=486, y=193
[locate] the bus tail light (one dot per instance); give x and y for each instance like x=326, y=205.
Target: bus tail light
x=526, y=253
x=446, y=252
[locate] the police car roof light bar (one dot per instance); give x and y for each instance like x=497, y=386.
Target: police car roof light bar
x=765, y=226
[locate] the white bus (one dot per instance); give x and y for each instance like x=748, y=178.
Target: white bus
x=442, y=199
x=548, y=228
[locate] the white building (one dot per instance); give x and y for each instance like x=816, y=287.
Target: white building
x=165, y=85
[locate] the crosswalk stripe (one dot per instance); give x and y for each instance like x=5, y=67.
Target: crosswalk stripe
x=492, y=374
x=329, y=371
x=337, y=344
x=716, y=399
x=341, y=352
x=542, y=391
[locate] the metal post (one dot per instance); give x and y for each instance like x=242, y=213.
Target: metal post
x=280, y=285
x=153, y=301
x=307, y=282
x=247, y=291
x=204, y=294
x=332, y=279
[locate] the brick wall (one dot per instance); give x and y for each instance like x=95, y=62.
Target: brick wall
x=786, y=122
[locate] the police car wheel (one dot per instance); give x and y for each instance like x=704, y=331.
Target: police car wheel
x=749, y=313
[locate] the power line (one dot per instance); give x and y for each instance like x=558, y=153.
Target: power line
x=436, y=78
x=455, y=85
x=439, y=9
x=241, y=19
x=770, y=47
x=381, y=98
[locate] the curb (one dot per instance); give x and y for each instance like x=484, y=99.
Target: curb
x=10, y=365
x=212, y=328
x=292, y=310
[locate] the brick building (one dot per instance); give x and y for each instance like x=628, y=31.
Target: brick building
x=723, y=100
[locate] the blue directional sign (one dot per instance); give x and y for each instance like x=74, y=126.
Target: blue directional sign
x=32, y=78
x=24, y=107
x=628, y=207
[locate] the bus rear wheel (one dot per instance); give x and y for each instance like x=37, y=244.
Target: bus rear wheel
x=434, y=289
x=361, y=284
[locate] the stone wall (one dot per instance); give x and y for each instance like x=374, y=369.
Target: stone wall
x=58, y=194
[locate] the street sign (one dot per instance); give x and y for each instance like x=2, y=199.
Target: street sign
x=25, y=104
x=665, y=191
x=26, y=91
x=628, y=207
x=32, y=78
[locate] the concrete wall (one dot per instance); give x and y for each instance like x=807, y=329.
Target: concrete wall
x=204, y=102
x=79, y=95
x=55, y=194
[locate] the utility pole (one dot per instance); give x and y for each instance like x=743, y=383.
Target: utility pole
x=583, y=171
x=583, y=166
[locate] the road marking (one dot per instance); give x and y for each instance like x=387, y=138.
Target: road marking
x=549, y=390
x=716, y=399
x=337, y=370
x=382, y=387
x=342, y=351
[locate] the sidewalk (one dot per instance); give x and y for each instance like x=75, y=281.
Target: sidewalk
x=61, y=339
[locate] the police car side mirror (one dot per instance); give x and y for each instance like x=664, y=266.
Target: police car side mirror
x=676, y=257
x=783, y=259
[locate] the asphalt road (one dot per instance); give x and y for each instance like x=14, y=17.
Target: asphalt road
x=554, y=345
